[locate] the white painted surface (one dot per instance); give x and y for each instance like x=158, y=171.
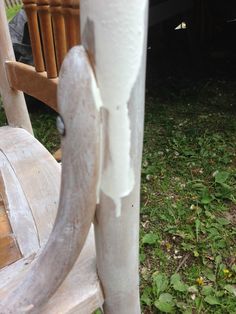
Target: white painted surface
x=117, y=29
x=114, y=34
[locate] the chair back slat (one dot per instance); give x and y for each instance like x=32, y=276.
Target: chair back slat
x=32, y=16
x=58, y=31
x=71, y=13
x=47, y=37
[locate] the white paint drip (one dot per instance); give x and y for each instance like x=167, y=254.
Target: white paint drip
x=119, y=37
x=98, y=104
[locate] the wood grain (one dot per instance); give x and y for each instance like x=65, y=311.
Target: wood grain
x=18, y=209
x=32, y=180
x=23, y=77
x=79, y=293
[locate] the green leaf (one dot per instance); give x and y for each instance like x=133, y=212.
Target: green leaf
x=212, y=300
x=178, y=284
x=207, y=290
x=160, y=283
x=231, y=289
x=234, y=268
x=206, y=198
x=149, y=238
x=165, y=303
x=145, y=299
x=142, y=257
x=175, y=278
x=218, y=260
x=223, y=221
x=221, y=176
x=195, y=253
x=209, y=275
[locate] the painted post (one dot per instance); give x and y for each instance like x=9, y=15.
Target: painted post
x=114, y=34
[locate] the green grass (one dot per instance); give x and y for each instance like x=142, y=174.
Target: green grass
x=44, y=127
x=188, y=214
x=11, y=12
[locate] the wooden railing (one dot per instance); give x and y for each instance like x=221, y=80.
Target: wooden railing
x=12, y=3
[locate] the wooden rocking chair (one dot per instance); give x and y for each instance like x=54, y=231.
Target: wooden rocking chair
x=49, y=260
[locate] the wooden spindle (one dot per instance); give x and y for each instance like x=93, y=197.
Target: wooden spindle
x=31, y=12
x=7, y=3
x=47, y=37
x=58, y=31
x=71, y=12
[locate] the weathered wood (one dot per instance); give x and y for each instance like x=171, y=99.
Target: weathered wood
x=80, y=167
x=38, y=175
x=79, y=293
x=21, y=220
x=23, y=77
x=119, y=65
x=14, y=103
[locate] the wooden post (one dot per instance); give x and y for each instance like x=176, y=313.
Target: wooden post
x=114, y=34
x=13, y=101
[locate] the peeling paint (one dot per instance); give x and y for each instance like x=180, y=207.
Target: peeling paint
x=119, y=35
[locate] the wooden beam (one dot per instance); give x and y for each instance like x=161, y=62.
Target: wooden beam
x=23, y=77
